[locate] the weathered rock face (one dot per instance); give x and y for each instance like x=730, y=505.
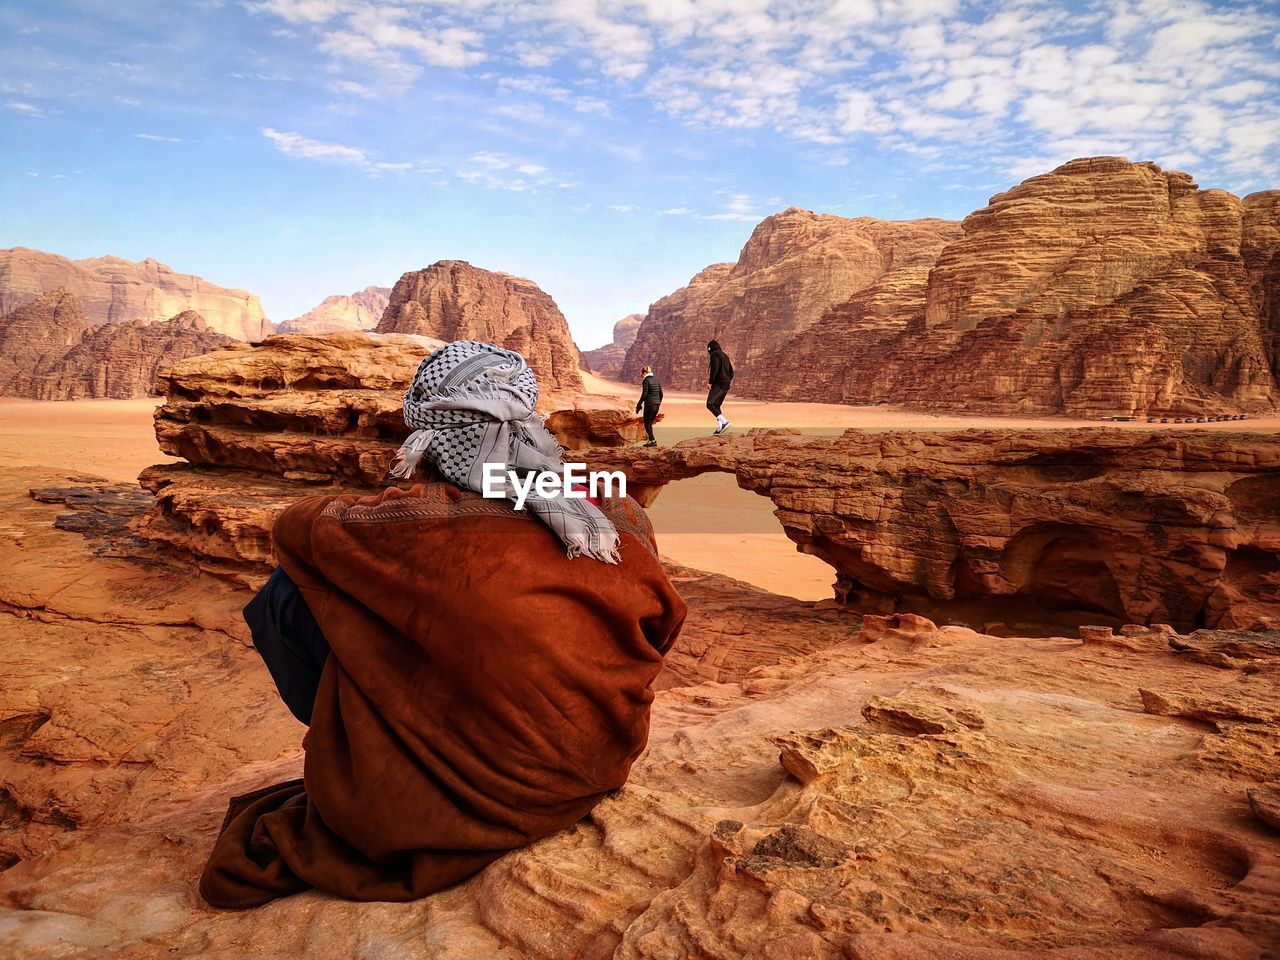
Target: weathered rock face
x=452, y=300
x=360, y=311
x=1104, y=526
x=607, y=360
x=1102, y=288
x=813, y=786
x=112, y=290
x=796, y=265
x=38, y=334
x=120, y=360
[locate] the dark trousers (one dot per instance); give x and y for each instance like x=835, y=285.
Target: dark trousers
x=715, y=397
x=650, y=415
x=290, y=642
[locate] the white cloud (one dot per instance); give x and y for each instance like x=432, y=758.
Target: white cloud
x=676, y=212
x=992, y=84
x=623, y=208
x=158, y=137
x=296, y=145
x=26, y=109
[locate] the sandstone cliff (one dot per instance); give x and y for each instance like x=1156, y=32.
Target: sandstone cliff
x=38, y=334
x=795, y=266
x=49, y=351
x=1102, y=288
x=607, y=360
x=112, y=290
x=452, y=300
x=360, y=311
x=121, y=360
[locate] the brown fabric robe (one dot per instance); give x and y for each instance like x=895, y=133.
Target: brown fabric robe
x=483, y=691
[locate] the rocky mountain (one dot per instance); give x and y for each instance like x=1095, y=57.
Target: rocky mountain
x=453, y=300
x=607, y=360
x=122, y=360
x=38, y=334
x=50, y=351
x=360, y=311
x=796, y=265
x=1101, y=288
x=112, y=290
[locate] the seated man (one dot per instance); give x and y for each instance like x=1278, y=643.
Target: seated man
x=475, y=677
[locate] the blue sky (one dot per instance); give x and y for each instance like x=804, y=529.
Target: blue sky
x=607, y=150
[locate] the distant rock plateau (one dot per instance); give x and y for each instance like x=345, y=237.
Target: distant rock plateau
x=359, y=311
x=607, y=361
x=113, y=290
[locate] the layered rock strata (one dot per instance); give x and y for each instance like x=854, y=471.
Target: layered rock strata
x=113, y=290
x=452, y=300
x=261, y=426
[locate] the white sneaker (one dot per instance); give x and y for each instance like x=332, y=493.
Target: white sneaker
x=721, y=429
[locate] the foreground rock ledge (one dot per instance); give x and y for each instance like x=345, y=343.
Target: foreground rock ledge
x=811, y=789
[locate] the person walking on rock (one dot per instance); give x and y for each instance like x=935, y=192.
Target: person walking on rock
x=719, y=379
x=651, y=400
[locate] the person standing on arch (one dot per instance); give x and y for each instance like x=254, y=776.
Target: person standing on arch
x=719, y=379
x=651, y=400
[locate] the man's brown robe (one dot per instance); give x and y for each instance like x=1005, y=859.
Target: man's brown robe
x=483, y=691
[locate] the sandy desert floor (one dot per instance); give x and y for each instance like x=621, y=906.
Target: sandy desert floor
x=706, y=522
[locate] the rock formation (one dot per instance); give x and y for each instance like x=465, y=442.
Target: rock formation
x=112, y=290
x=1031, y=528
x=121, y=360
x=38, y=334
x=452, y=300
x=815, y=785
x=49, y=351
x=607, y=360
x=360, y=311
x=795, y=266
x=1101, y=288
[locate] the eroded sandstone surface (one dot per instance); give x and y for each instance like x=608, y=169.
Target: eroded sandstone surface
x=113, y=290
x=816, y=784
x=452, y=300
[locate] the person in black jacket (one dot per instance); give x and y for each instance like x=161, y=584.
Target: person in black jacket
x=651, y=400
x=719, y=379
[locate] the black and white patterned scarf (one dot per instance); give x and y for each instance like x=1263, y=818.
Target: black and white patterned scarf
x=471, y=403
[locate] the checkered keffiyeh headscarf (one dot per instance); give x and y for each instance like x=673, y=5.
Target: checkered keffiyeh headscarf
x=471, y=403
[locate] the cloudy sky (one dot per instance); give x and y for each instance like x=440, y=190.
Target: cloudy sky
x=607, y=150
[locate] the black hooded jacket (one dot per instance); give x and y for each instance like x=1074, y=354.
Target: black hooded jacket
x=721, y=370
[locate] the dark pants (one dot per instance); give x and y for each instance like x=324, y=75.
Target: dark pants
x=715, y=397
x=290, y=642
x=650, y=415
